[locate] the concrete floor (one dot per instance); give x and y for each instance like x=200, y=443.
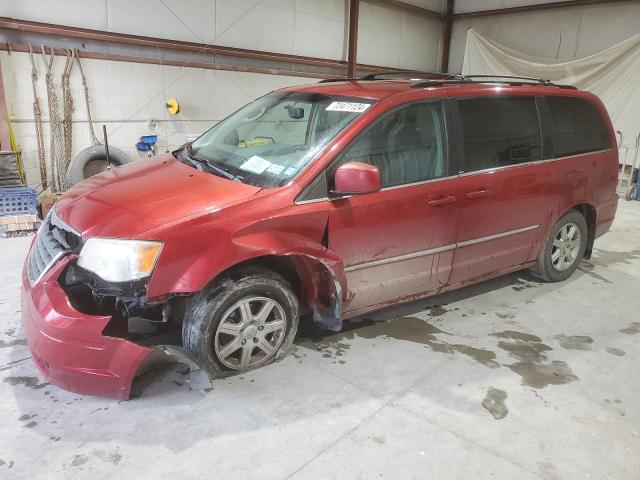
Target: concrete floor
x=506, y=379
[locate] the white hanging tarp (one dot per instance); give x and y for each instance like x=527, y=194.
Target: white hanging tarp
x=613, y=74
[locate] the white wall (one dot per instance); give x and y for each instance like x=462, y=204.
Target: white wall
x=399, y=39
x=563, y=33
x=466, y=6
x=314, y=28
x=125, y=96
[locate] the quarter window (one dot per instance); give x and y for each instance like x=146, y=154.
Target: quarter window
x=407, y=145
x=577, y=126
x=499, y=131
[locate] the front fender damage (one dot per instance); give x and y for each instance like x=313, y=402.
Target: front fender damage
x=320, y=270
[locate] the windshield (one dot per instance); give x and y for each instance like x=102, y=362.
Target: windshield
x=267, y=142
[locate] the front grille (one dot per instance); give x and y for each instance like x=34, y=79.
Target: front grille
x=54, y=240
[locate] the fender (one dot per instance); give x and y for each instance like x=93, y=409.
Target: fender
x=320, y=270
x=214, y=249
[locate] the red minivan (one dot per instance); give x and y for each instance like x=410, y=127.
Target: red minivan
x=324, y=201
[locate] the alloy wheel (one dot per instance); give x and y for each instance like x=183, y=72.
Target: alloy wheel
x=566, y=247
x=250, y=333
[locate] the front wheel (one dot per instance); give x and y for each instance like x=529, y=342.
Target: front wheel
x=563, y=249
x=244, y=322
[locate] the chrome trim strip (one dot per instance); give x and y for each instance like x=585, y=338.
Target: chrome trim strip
x=400, y=258
x=431, y=251
x=496, y=236
x=47, y=267
x=526, y=164
x=55, y=219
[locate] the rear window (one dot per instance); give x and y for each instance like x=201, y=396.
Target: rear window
x=499, y=131
x=578, y=127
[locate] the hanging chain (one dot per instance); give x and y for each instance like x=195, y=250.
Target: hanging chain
x=67, y=124
x=37, y=118
x=55, y=127
x=92, y=132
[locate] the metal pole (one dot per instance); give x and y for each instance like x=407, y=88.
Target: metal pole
x=106, y=145
x=352, y=61
x=448, y=26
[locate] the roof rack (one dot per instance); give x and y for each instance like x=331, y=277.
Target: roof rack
x=498, y=79
x=435, y=79
x=407, y=75
x=410, y=74
x=509, y=77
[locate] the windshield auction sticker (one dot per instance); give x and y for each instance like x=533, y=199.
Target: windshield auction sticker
x=256, y=164
x=348, y=107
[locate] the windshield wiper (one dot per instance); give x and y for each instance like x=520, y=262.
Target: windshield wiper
x=219, y=170
x=186, y=154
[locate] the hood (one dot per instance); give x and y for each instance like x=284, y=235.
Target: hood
x=129, y=200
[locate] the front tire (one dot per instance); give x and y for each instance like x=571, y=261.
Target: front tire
x=243, y=322
x=563, y=248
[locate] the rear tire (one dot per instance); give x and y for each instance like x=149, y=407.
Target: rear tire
x=229, y=328
x=563, y=249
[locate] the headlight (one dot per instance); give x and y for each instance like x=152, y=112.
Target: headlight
x=117, y=260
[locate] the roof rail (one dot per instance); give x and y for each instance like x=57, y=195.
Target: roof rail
x=435, y=79
x=345, y=79
x=410, y=74
x=509, y=77
x=406, y=75
x=497, y=79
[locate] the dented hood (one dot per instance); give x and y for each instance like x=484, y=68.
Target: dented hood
x=129, y=200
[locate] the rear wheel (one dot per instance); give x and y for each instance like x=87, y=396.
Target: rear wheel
x=243, y=322
x=563, y=249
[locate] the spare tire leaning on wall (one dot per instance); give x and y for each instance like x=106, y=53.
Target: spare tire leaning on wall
x=93, y=160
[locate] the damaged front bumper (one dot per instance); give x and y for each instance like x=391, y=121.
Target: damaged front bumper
x=68, y=346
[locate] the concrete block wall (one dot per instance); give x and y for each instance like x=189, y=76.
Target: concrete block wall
x=125, y=97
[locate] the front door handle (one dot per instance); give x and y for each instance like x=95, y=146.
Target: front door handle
x=483, y=192
x=442, y=201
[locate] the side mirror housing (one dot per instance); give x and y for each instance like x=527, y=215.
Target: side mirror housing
x=355, y=178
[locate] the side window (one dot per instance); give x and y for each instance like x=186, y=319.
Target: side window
x=407, y=145
x=577, y=126
x=499, y=131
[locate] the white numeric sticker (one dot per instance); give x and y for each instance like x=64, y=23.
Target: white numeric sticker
x=348, y=107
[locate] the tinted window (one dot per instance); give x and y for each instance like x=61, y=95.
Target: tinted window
x=407, y=145
x=577, y=126
x=499, y=131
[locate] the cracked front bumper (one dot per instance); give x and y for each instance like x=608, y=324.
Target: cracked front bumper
x=68, y=346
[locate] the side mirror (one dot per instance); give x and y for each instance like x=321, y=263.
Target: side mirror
x=356, y=177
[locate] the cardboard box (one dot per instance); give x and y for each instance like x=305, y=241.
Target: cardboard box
x=47, y=201
x=13, y=219
x=20, y=227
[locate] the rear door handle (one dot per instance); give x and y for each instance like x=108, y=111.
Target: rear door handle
x=484, y=192
x=442, y=201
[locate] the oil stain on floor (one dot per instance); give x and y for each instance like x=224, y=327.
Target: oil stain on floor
x=410, y=329
x=494, y=402
x=588, y=267
x=532, y=362
x=574, y=342
x=632, y=329
x=616, y=351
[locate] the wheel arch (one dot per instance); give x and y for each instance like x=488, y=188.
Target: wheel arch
x=589, y=213
x=317, y=283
